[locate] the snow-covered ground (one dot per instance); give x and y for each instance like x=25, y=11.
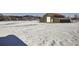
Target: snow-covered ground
x=34, y=33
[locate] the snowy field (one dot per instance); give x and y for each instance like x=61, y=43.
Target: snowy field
x=34, y=33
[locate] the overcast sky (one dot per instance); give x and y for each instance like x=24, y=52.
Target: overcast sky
x=37, y=14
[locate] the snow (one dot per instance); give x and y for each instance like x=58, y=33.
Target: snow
x=34, y=33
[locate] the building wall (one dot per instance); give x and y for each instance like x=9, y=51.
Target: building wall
x=56, y=20
x=52, y=20
x=65, y=21
x=48, y=19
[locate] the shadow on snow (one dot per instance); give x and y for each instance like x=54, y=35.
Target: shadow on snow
x=11, y=40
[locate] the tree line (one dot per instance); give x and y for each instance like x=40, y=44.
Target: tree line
x=17, y=18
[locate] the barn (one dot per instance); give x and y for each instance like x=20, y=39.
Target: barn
x=54, y=18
